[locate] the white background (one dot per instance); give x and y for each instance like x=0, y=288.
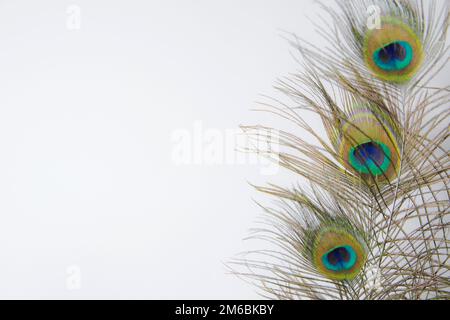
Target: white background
x=86, y=119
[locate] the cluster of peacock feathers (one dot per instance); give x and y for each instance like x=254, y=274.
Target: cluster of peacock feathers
x=373, y=221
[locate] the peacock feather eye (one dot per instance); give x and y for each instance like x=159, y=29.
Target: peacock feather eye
x=338, y=253
x=369, y=145
x=394, y=52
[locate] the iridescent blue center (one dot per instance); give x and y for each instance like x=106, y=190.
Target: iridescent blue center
x=369, y=151
x=340, y=258
x=370, y=158
x=395, y=56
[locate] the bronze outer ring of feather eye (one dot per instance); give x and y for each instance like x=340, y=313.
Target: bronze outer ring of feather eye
x=390, y=37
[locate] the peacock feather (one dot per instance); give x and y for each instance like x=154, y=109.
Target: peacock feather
x=374, y=221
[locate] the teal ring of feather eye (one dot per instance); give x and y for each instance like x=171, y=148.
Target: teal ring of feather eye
x=341, y=258
x=394, y=56
x=370, y=166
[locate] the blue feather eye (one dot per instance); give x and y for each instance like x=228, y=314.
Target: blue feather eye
x=340, y=258
x=338, y=251
x=370, y=158
x=368, y=143
x=394, y=52
x=394, y=56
